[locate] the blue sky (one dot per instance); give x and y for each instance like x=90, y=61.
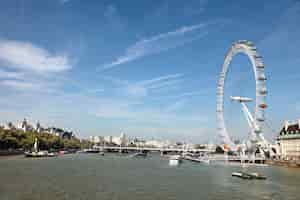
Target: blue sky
x=146, y=68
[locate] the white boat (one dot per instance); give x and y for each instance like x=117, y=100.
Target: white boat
x=175, y=160
x=139, y=154
x=91, y=151
x=36, y=153
x=206, y=161
x=245, y=175
x=197, y=159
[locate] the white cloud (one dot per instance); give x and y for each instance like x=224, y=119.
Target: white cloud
x=160, y=79
x=9, y=74
x=142, y=88
x=159, y=43
x=20, y=85
x=29, y=57
x=126, y=110
x=176, y=105
x=96, y=90
x=136, y=90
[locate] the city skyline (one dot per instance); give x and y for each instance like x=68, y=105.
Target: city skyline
x=143, y=68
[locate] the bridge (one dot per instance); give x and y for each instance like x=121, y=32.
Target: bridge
x=209, y=153
x=158, y=149
x=220, y=157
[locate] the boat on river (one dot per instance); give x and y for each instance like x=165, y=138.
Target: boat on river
x=93, y=150
x=197, y=159
x=175, y=160
x=36, y=153
x=141, y=154
x=245, y=175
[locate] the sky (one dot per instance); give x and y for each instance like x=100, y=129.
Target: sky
x=145, y=68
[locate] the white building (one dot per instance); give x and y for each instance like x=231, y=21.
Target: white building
x=97, y=139
x=159, y=143
x=138, y=142
x=118, y=140
x=289, y=140
x=121, y=140
x=9, y=126
x=108, y=139
x=25, y=126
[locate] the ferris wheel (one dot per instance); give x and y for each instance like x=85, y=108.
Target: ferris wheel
x=256, y=120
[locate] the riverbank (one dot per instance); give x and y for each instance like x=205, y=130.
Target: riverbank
x=284, y=163
x=13, y=152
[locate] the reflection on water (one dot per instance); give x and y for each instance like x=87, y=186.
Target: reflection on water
x=82, y=176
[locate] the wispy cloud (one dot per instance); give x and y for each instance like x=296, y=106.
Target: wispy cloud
x=29, y=57
x=160, y=79
x=96, y=90
x=159, y=43
x=142, y=88
x=10, y=75
x=176, y=105
x=20, y=85
x=117, y=110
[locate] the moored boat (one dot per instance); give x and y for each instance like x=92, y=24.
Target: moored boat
x=197, y=159
x=175, y=160
x=91, y=151
x=141, y=154
x=245, y=175
x=36, y=153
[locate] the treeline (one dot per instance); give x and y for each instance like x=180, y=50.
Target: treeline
x=18, y=139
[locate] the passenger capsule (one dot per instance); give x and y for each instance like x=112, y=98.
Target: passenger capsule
x=260, y=66
x=263, y=92
x=262, y=78
x=263, y=106
x=260, y=119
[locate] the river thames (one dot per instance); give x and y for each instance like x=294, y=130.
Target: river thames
x=113, y=176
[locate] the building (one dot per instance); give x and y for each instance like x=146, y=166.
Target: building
x=60, y=132
x=121, y=140
x=9, y=126
x=25, y=126
x=97, y=140
x=160, y=144
x=108, y=139
x=154, y=143
x=137, y=142
x=289, y=140
x=38, y=127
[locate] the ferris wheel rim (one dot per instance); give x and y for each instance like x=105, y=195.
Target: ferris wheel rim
x=247, y=48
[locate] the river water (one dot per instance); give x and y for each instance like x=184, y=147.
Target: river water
x=113, y=176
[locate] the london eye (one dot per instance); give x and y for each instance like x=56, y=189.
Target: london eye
x=257, y=119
